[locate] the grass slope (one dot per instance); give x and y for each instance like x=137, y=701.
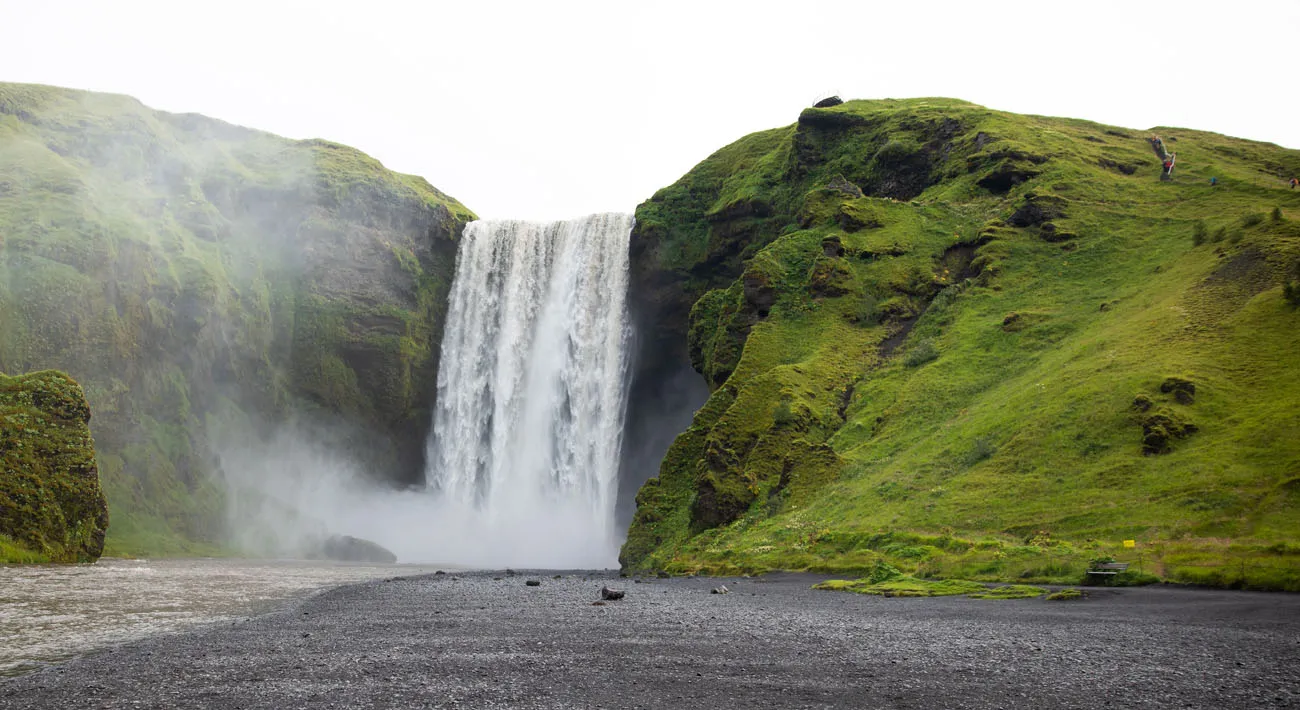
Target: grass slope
x=193, y=274
x=1018, y=348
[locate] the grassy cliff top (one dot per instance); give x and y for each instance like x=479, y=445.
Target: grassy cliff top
x=132, y=139
x=981, y=344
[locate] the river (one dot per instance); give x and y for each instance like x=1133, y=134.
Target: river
x=50, y=613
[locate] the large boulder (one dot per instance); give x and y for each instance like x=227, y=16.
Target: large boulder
x=51, y=505
x=345, y=548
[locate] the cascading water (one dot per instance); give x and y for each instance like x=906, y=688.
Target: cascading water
x=532, y=385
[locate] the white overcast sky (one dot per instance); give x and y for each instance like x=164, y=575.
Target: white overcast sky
x=556, y=109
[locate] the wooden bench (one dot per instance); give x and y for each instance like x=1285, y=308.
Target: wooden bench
x=1108, y=568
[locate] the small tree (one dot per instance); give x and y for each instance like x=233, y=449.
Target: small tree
x=1199, y=232
x=1277, y=213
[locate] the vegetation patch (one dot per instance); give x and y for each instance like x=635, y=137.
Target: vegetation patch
x=1010, y=591
x=1066, y=595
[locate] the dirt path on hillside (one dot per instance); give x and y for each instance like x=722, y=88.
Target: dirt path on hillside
x=478, y=642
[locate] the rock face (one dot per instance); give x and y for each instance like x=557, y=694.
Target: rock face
x=202, y=279
x=51, y=504
x=893, y=306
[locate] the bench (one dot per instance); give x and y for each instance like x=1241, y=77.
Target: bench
x=1108, y=568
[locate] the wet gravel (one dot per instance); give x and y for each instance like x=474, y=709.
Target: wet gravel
x=473, y=641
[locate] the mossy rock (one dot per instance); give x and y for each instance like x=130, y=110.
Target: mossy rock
x=51, y=502
x=1037, y=209
x=1183, y=389
x=829, y=277
x=1161, y=428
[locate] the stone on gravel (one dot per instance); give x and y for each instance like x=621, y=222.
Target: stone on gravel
x=611, y=594
x=720, y=590
x=534, y=582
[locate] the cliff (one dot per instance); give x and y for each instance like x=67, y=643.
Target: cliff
x=976, y=344
x=201, y=279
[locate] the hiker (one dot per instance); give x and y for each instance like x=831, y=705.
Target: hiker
x=1294, y=182
x=1213, y=181
x=1169, y=163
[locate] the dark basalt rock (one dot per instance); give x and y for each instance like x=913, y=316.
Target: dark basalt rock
x=840, y=184
x=1161, y=428
x=1184, y=390
x=832, y=247
x=1037, y=209
x=828, y=102
x=609, y=594
x=345, y=548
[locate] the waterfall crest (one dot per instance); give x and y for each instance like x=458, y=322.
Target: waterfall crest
x=532, y=387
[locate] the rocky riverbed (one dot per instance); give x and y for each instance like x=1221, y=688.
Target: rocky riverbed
x=487, y=640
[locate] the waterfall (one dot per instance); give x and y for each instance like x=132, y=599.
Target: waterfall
x=532, y=384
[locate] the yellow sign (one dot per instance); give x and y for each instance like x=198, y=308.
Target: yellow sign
x=1130, y=543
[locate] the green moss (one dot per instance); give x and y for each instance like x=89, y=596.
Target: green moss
x=1110, y=311
x=904, y=586
x=1065, y=595
x=1010, y=591
x=51, y=505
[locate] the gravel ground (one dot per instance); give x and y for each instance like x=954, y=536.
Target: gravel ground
x=473, y=641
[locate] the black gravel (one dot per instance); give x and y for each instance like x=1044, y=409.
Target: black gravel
x=474, y=641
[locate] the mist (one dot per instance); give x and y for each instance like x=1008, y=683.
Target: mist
x=286, y=495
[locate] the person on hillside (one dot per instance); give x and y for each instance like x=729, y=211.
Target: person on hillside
x=1169, y=163
x=1294, y=182
x=1213, y=181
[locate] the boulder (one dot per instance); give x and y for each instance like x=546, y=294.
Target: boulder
x=51, y=503
x=345, y=548
x=611, y=594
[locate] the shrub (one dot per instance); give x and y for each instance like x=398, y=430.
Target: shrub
x=1277, y=213
x=784, y=412
x=945, y=298
x=1236, y=236
x=1199, y=232
x=1251, y=220
x=1291, y=292
x=867, y=311
x=981, y=449
x=1219, y=234
x=921, y=353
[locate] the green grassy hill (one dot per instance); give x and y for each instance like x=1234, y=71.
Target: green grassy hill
x=979, y=345
x=197, y=276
